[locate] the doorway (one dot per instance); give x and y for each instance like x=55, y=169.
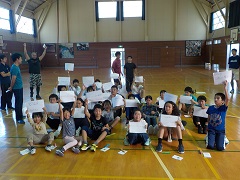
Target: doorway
x=122, y=57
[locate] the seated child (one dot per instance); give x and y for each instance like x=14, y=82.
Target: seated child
x=68, y=126
x=201, y=122
x=170, y=108
x=138, y=91
x=216, y=120
x=161, y=97
x=39, y=134
x=130, y=110
x=188, y=91
x=98, y=130
x=83, y=96
x=75, y=87
x=108, y=114
x=135, y=138
x=79, y=121
x=98, y=84
x=150, y=114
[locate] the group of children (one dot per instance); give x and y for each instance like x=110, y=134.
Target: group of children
x=99, y=118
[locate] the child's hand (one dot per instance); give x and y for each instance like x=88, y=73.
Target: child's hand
x=153, y=112
x=225, y=83
x=160, y=124
x=44, y=109
x=179, y=123
x=83, y=87
x=27, y=112
x=52, y=113
x=86, y=102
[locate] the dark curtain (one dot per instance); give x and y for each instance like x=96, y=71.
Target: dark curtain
x=143, y=9
x=34, y=28
x=118, y=11
x=96, y=11
x=121, y=8
x=211, y=23
x=234, y=14
x=11, y=21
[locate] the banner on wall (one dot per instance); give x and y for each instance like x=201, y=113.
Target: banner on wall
x=66, y=50
x=83, y=46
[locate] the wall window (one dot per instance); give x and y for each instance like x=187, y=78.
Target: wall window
x=132, y=8
x=4, y=19
x=218, y=20
x=25, y=25
x=107, y=9
x=217, y=41
x=208, y=42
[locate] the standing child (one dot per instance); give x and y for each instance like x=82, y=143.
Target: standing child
x=130, y=72
x=39, y=135
x=68, y=132
x=135, y=138
x=99, y=127
x=216, y=120
x=201, y=122
x=170, y=108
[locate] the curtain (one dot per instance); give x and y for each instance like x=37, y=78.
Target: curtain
x=96, y=11
x=143, y=9
x=11, y=21
x=211, y=23
x=118, y=12
x=234, y=14
x=34, y=28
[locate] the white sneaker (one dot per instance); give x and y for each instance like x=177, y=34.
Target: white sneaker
x=48, y=148
x=33, y=151
x=147, y=143
x=150, y=129
x=226, y=140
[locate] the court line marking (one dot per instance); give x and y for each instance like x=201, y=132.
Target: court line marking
x=161, y=163
x=15, y=164
x=206, y=160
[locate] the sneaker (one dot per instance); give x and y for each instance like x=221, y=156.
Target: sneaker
x=48, y=148
x=85, y=147
x=232, y=91
x=32, y=150
x=21, y=121
x=180, y=149
x=60, y=152
x=226, y=140
x=184, y=123
x=200, y=129
x=38, y=97
x=31, y=98
x=93, y=147
x=147, y=143
x=125, y=142
x=150, y=129
x=159, y=148
x=76, y=150
x=155, y=129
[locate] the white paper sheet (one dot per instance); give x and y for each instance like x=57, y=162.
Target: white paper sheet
x=198, y=111
x=105, y=149
x=131, y=103
x=170, y=97
x=168, y=120
x=107, y=86
x=139, y=79
x=67, y=96
x=185, y=99
x=64, y=81
x=98, y=85
x=79, y=113
x=35, y=106
x=177, y=157
x=95, y=96
x=161, y=103
x=207, y=155
x=69, y=66
x=106, y=95
x=137, y=127
x=25, y=151
x=117, y=101
x=122, y=152
x=88, y=80
x=220, y=77
x=114, y=75
x=52, y=107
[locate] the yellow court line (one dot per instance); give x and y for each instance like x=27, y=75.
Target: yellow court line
x=15, y=164
x=206, y=160
x=161, y=163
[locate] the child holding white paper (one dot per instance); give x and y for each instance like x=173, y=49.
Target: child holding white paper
x=79, y=121
x=75, y=87
x=116, y=97
x=98, y=130
x=39, y=134
x=68, y=132
x=160, y=98
x=170, y=108
x=138, y=91
x=216, y=121
x=108, y=114
x=188, y=91
x=135, y=138
x=201, y=122
x=130, y=110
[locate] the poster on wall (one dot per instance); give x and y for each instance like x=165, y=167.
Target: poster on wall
x=83, y=46
x=51, y=48
x=66, y=50
x=193, y=48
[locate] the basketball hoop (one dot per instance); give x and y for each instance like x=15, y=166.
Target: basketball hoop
x=229, y=40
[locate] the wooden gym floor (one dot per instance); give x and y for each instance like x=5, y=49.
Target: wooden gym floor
x=140, y=162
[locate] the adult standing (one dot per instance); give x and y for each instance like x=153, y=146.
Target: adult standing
x=34, y=68
x=130, y=72
x=234, y=63
x=17, y=86
x=6, y=98
x=116, y=65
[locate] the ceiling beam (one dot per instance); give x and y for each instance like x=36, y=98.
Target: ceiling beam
x=15, y=5
x=20, y=14
x=223, y=15
x=200, y=12
x=44, y=17
x=43, y=5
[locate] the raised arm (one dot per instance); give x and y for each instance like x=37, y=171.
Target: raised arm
x=86, y=112
x=25, y=51
x=61, y=111
x=226, y=93
x=43, y=54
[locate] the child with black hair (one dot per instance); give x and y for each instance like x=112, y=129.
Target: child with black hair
x=130, y=72
x=130, y=110
x=75, y=87
x=188, y=91
x=108, y=114
x=98, y=84
x=79, y=121
x=160, y=98
x=216, y=121
x=201, y=122
x=98, y=130
x=170, y=108
x=40, y=134
x=138, y=91
x=135, y=138
x=68, y=132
